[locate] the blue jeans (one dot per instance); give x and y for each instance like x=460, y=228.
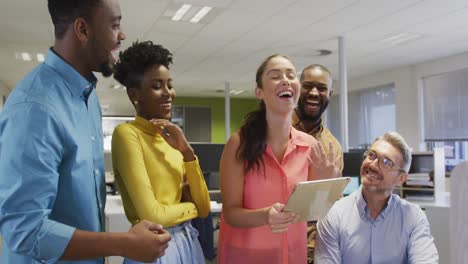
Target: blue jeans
x=184, y=247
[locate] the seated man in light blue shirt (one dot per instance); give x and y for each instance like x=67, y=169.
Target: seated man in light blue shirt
x=373, y=225
x=52, y=189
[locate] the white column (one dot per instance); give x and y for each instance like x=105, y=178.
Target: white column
x=343, y=93
x=227, y=110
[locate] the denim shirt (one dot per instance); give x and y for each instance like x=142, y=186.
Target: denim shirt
x=51, y=163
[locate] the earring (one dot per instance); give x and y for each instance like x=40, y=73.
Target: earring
x=135, y=102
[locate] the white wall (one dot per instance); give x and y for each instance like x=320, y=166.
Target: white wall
x=407, y=92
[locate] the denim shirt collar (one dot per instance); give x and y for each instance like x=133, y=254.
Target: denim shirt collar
x=75, y=82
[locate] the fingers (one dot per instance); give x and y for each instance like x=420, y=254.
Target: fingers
x=155, y=228
x=163, y=244
x=279, y=216
x=276, y=218
x=162, y=127
x=282, y=223
x=164, y=236
x=331, y=153
x=150, y=225
x=278, y=206
x=338, y=162
x=312, y=162
x=315, y=150
x=280, y=228
x=321, y=151
x=320, y=156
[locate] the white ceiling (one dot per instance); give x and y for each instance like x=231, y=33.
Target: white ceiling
x=230, y=43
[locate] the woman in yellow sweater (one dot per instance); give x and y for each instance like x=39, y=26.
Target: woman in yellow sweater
x=155, y=168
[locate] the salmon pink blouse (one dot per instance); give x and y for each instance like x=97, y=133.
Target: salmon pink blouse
x=259, y=245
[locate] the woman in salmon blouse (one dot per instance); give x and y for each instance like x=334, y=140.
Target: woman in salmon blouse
x=260, y=165
x=152, y=159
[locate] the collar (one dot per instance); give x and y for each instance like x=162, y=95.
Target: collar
x=364, y=210
x=299, y=138
x=75, y=82
x=297, y=123
x=145, y=125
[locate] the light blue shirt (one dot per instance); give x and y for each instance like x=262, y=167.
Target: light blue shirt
x=400, y=234
x=51, y=164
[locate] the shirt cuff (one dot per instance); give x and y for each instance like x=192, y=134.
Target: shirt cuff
x=193, y=164
x=53, y=239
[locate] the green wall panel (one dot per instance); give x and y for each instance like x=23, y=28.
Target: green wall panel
x=239, y=107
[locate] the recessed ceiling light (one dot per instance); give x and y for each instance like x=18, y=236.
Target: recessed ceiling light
x=40, y=57
x=200, y=14
x=181, y=12
x=26, y=56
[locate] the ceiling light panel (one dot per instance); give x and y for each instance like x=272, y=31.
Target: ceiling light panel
x=181, y=12
x=200, y=14
x=40, y=57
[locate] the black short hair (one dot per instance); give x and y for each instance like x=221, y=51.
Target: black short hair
x=323, y=68
x=134, y=61
x=64, y=12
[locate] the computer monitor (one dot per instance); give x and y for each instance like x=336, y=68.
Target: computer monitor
x=352, y=168
x=353, y=185
x=208, y=155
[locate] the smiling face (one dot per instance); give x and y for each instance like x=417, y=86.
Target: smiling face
x=376, y=179
x=279, y=87
x=155, y=94
x=315, y=93
x=105, y=36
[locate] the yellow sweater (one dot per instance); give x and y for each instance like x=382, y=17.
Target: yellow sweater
x=149, y=175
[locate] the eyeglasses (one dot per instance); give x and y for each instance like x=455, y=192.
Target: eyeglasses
x=384, y=162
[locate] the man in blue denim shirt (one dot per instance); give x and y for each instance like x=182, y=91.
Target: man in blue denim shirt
x=52, y=190
x=373, y=225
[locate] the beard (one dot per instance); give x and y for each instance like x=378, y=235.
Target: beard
x=379, y=191
x=313, y=118
x=106, y=69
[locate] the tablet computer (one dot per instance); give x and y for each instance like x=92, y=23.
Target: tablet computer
x=313, y=199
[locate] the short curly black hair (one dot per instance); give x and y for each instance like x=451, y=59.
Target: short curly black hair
x=134, y=61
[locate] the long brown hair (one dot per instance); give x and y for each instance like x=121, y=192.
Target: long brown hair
x=253, y=132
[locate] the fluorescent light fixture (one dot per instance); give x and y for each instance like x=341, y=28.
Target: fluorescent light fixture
x=40, y=57
x=236, y=92
x=181, y=12
x=200, y=14
x=401, y=38
x=26, y=56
